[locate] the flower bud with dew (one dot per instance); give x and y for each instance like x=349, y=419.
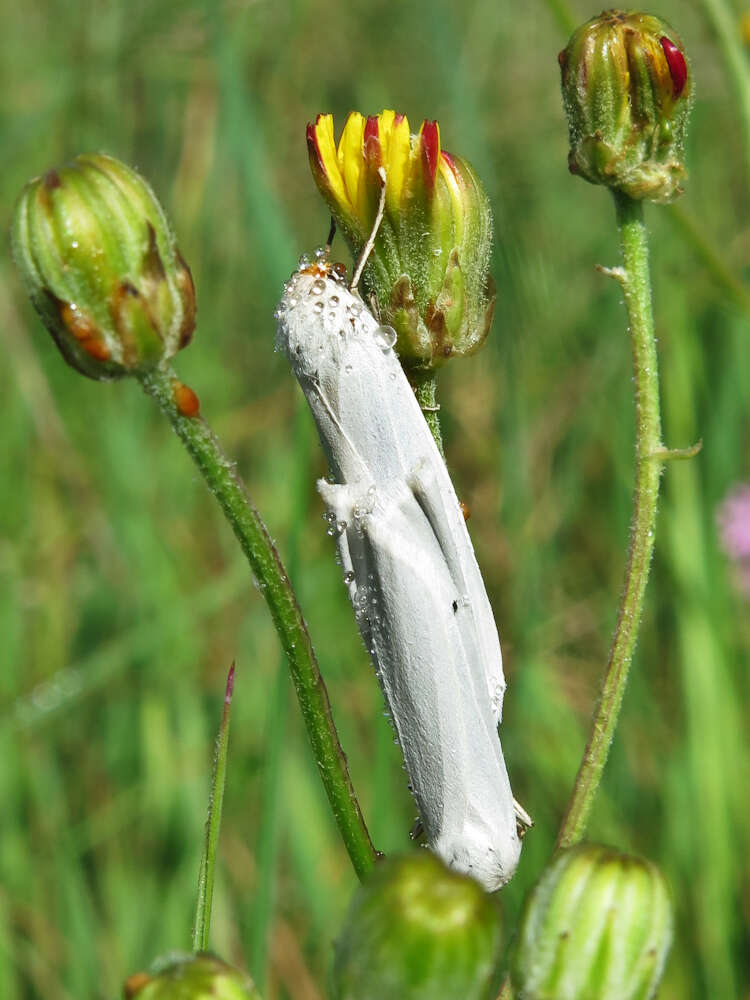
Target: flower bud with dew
x=99, y=261
x=428, y=272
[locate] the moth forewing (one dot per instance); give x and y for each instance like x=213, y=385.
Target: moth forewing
x=410, y=570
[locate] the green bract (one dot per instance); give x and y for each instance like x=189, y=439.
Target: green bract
x=100, y=263
x=429, y=268
x=182, y=976
x=418, y=931
x=626, y=92
x=597, y=926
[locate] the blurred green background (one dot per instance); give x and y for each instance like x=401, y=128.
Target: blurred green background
x=124, y=598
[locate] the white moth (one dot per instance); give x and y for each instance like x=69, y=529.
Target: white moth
x=410, y=570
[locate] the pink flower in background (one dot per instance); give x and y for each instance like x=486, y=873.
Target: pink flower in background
x=733, y=518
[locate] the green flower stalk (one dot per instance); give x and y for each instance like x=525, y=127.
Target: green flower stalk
x=598, y=926
x=180, y=976
x=416, y=931
x=100, y=263
x=101, y=266
x=429, y=269
x=626, y=92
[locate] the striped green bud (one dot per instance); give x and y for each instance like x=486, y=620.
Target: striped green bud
x=416, y=931
x=626, y=91
x=180, y=976
x=99, y=261
x=597, y=926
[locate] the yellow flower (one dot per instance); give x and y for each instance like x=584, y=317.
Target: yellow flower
x=428, y=271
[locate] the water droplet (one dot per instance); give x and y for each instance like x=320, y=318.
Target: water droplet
x=318, y=307
x=318, y=286
x=347, y=369
x=74, y=244
x=334, y=300
x=349, y=577
x=392, y=376
x=385, y=337
x=341, y=527
x=319, y=253
x=303, y=262
x=292, y=302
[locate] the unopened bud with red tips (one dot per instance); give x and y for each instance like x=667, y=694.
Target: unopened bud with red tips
x=597, y=926
x=626, y=90
x=417, y=930
x=429, y=269
x=181, y=976
x=99, y=260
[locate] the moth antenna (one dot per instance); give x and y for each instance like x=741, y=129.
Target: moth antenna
x=367, y=249
x=329, y=241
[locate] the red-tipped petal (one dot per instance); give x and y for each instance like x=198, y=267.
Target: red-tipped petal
x=450, y=162
x=677, y=66
x=312, y=145
x=230, y=685
x=430, y=152
x=371, y=128
x=371, y=147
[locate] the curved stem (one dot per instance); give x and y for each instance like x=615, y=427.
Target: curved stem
x=252, y=534
x=649, y=455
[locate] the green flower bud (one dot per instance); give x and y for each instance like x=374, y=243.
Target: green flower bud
x=99, y=261
x=180, y=976
x=626, y=92
x=416, y=931
x=597, y=926
x=429, y=268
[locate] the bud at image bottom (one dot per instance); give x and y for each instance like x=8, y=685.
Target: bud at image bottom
x=597, y=926
x=418, y=931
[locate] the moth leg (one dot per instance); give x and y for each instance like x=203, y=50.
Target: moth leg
x=345, y=509
x=524, y=822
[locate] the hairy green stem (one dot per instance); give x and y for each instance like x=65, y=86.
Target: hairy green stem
x=223, y=481
x=425, y=389
x=202, y=925
x=649, y=456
